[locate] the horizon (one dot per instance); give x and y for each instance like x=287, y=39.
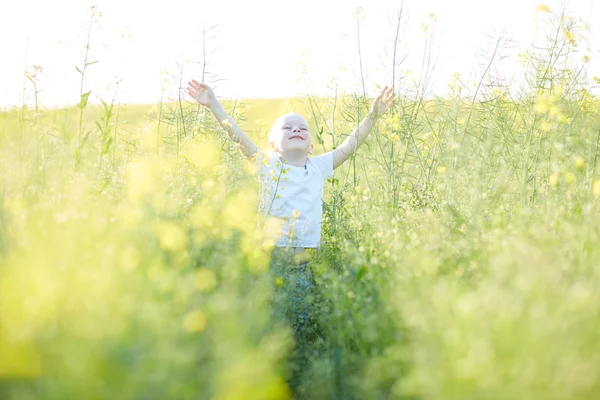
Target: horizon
x=137, y=64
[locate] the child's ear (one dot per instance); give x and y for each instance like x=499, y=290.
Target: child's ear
x=310, y=149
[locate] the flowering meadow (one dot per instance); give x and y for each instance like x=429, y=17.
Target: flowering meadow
x=459, y=260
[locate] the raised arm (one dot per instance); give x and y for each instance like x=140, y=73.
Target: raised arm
x=380, y=105
x=204, y=95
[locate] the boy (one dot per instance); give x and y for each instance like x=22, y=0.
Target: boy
x=291, y=191
x=291, y=182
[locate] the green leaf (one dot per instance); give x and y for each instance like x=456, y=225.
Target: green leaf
x=361, y=273
x=86, y=136
x=100, y=127
x=78, y=70
x=106, y=145
x=107, y=109
x=84, y=99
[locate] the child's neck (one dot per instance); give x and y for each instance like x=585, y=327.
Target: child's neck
x=295, y=158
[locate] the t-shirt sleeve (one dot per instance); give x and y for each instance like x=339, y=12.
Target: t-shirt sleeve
x=324, y=163
x=260, y=161
x=264, y=163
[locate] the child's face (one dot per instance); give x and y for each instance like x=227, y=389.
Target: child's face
x=290, y=132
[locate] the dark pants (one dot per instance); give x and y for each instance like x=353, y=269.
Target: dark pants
x=294, y=305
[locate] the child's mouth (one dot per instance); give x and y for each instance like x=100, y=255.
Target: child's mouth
x=296, y=137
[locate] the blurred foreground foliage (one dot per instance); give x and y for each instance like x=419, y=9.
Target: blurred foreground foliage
x=459, y=256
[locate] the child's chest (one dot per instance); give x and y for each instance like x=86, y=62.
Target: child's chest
x=295, y=182
x=295, y=188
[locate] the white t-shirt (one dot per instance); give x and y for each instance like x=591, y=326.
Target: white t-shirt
x=293, y=195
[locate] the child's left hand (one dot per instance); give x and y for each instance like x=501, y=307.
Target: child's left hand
x=382, y=102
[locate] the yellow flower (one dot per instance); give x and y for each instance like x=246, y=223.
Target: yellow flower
x=579, y=163
x=204, y=279
x=194, y=322
x=553, y=179
x=540, y=106
x=596, y=188
x=172, y=237
x=569, y=177
x=295, y=214
x=564, y=119
x=542, y=8
x=279, y=281
x=570, y=36
x=558, y=90
x=441, y=170
x=395, y=123
x=544, y=126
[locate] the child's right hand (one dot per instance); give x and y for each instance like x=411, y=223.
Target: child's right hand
x=202, y=93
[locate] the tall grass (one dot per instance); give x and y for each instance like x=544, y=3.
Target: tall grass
x=459, y=253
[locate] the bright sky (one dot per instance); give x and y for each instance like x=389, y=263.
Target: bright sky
x=261, y=48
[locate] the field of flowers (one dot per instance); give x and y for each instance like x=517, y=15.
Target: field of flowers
x=459, y=260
